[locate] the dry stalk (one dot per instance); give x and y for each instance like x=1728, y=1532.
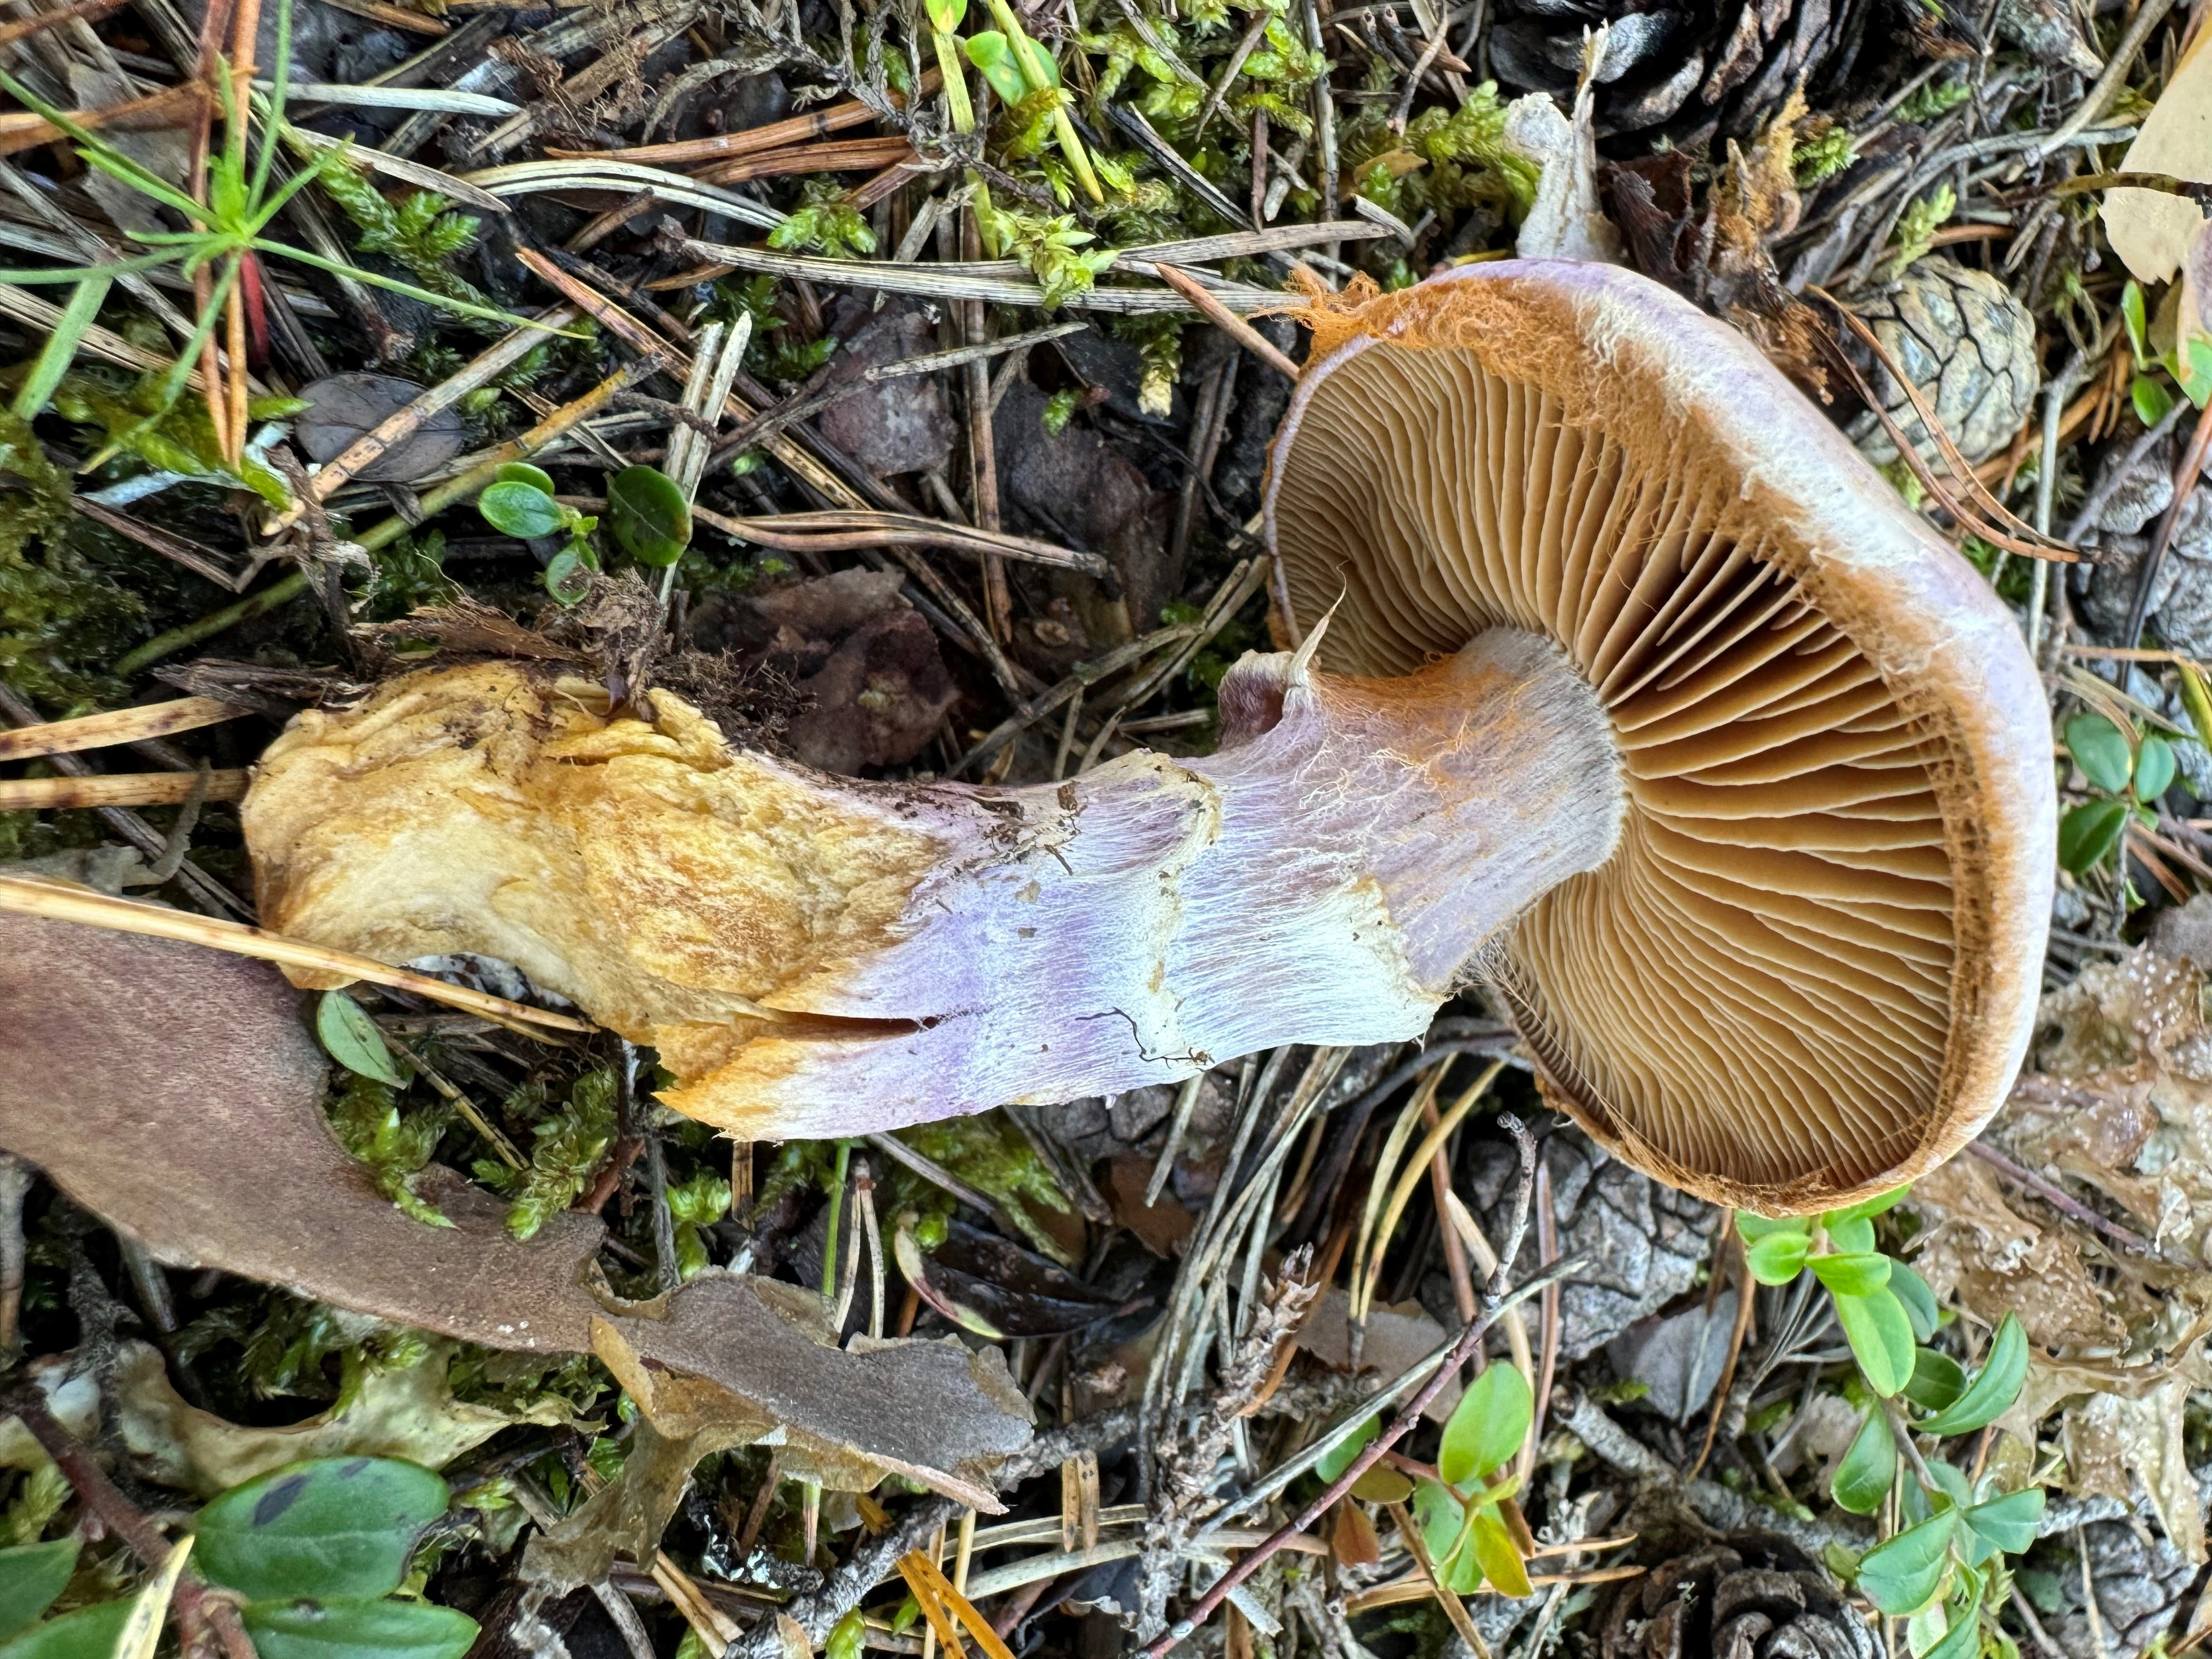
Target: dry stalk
x=1187, y=1459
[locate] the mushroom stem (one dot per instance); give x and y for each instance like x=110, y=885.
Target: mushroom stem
x=815, y=955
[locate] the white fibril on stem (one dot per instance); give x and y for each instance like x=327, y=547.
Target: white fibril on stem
x=813, y=954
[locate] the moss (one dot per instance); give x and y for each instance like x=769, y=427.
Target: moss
x=992, y=1156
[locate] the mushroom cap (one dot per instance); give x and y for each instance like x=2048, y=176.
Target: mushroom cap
x=1809, y=970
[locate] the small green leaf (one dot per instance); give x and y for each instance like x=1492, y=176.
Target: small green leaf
x=1339, y=1458
x=1902, y=1576
x=522, y=472
x=333, y=1529
x=520, y=509
x=2087, y=834
x=2154, y=768
x=989, y=53
x=1778, y=1258
x=31, y=1576
x=1752, y=1228
x=1382, y=1485
x=1910, y=1288
x=568, y=574
x=2197, y=380
x=1993, y=1388
x=2152, y=402
x=87, y=1633
x=1851, y=1275
x=1850, y=1237
x=353, y=1040
x=2131, y=311
x=1866, y=1208
x=1487, y=1425
x=358, y=1629
x=1881, y=1338
x=1493, y=1548
x=2006, y=1523
x=1863, y=1478
x=1441, y=1517
x=1937, y=1380
x=1961, y=1639
x=647, y=512
x=845, y=1636
x=2101, y=749
x=59, y=350
x=946, y=15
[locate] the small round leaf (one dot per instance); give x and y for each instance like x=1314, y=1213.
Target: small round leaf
x=1851, y=1275
x=1993, y=1388
x=989, y=53
x=523, y=472
x=569, y=576
x=1493, y=1548
x=1487, y=1425
x=31, y=1576
x=333, y=1529
x=2087, y=834
x=1336, y=1460
x=1901, y=1577
x=2154, y=768
x=1382, y=1485
x=1853, y=1235
x=1910, y=1288
x=353, y=1040
x=88, y=1634
x=1778, y=1258
x=1937, y=1381
x=649, y=514
x=2006, y=1523
x=520, y=509
x=2101, y=749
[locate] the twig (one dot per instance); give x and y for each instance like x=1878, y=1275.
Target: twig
x=1227, y=321
x=2116, y=71
x=120, y=789
x=1493, y=1302
x=2052, y=1193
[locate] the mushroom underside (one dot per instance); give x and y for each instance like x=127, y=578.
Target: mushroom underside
x=1757, y=988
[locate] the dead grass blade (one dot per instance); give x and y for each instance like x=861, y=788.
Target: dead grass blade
x=152, y=719
x=120, y=789
x=22, y=896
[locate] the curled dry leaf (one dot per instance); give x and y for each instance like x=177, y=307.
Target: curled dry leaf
x=138, y=1073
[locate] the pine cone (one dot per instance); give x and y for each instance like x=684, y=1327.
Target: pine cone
x=1968, y=346
x=1756, y=1596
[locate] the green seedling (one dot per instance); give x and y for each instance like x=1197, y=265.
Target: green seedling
x=1940, y=1567
x=1466, y=1515
x=518, y=501
x=2126, y=774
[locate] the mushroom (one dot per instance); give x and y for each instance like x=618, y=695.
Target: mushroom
x=1626, y=686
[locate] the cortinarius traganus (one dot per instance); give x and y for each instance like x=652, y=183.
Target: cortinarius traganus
x=1640, y=694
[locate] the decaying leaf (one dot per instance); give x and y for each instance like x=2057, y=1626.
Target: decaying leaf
x=408, y=1411
x=2152, y=230
x=1987, y=1259
x=343, y=408
x=139, y=1073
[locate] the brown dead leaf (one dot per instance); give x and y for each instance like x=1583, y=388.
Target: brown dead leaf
x=2150, y=229
x=176, y=1092
x=1986, y=1258
x=1396, y=1339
